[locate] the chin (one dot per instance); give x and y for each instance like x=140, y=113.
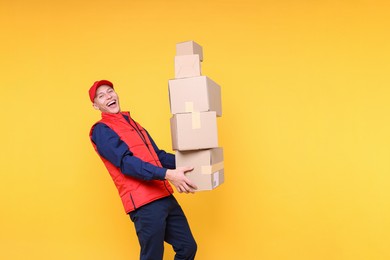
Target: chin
x=115, y=111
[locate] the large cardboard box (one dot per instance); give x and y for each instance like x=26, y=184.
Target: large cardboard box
x=194, y=131
x=187, y=66
x=208, y=166
x=196, y=94
x=188, y=48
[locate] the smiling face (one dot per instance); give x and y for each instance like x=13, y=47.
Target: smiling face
x=106, y=100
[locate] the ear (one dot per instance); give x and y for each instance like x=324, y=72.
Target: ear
x=95, y=106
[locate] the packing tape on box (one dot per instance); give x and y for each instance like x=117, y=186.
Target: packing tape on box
x=210, y=169
x=195, y=120
x=195, y=116
x=189, y=107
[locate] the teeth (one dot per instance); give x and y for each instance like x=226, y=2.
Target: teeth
x=110, y=103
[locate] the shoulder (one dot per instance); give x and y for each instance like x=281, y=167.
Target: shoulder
x=99, y=125
x=100, y=129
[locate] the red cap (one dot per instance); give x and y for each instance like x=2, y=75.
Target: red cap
x=92, y=90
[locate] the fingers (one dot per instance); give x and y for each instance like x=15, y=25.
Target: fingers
x=183, y=188
x=186, y=169
x=190, y=184
x=186, y=188
x=180, y=181
x=193, y=187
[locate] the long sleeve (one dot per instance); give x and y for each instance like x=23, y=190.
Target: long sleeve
x=112, y=148
x=167, y=159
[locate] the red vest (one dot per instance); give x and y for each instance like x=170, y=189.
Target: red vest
x=133, y=192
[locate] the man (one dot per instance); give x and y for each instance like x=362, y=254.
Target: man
x=141, y=171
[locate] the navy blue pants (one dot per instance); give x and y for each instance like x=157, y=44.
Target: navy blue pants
x=159, y=221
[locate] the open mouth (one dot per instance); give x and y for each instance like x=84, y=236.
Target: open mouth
x=111, y=103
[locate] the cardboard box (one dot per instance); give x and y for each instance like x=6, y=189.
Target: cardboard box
x=196, y=94
x=188, y=48
x=205, y=161
x=208, y=166
x=187, y=66
x=194, y=131
x=207, y=181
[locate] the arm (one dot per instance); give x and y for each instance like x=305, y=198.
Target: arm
x=175, y=176
x=167, y=159
x=112, y=148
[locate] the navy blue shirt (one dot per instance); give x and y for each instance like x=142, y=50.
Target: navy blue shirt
x=112, y=148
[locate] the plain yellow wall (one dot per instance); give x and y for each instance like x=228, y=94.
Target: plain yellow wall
x=305, y=129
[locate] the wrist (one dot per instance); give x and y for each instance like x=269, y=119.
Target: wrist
x=168, y=174
x=160, y=174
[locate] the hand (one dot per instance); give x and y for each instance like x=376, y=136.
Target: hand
x=180, y=181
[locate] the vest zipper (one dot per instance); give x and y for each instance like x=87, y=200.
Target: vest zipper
x=132, y=201
x=158, y=163
x=165, y=185
x=147, y=146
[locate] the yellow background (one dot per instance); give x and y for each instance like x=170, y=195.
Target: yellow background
x=305, y=125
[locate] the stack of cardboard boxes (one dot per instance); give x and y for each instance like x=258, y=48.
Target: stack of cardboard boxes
x=195, y=103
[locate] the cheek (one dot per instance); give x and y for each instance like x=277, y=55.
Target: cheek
x=98, y=105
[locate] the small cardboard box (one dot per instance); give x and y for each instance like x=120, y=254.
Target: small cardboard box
x=196, y=94
x=194, y=131
x=208, y=172
x=188, y=48
x=187, y=66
